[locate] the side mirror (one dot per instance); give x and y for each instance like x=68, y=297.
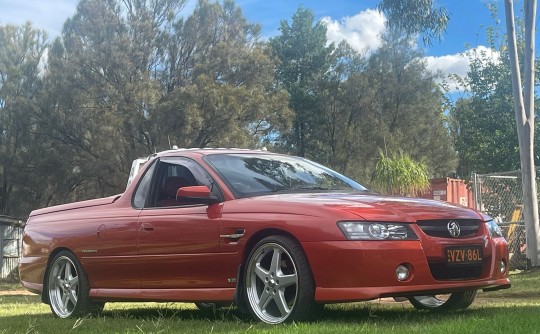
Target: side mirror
x=196, y=194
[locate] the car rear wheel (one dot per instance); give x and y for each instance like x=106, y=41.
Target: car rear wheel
x=453, y=301
x=278, y=282
x=67, y=288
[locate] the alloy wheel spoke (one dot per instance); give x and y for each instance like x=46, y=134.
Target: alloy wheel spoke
x=422, y=298
x=275, y=265
x=282, y=303
x=61, y=269
x=59, y=282
x=73, y=297
x=67, y=272
x=73, y=281
x=430, y=301
x=65, y=298
x=261, y=273
x=266, y=297
x=287, y=280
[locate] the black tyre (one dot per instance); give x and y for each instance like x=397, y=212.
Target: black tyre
x=278, y=283
x=67, y=288
x=453, y=301
x=209, y=306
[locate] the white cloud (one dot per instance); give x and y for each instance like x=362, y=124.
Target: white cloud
x=43, y=14
x=362, y=31
x=458, y=64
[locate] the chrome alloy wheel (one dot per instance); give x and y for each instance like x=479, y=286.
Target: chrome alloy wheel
x=272, y=283
x=63, y=284
x=433, y=301
x=444, y=302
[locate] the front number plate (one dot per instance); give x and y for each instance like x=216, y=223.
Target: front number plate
x=463, y=255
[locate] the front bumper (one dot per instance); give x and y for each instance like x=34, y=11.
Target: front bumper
x=365, y=270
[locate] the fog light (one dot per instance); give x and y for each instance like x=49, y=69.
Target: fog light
x=503, y=267
x=402, y=272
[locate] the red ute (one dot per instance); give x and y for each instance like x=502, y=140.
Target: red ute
x=275, y=234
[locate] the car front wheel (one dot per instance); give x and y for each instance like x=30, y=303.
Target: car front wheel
x=67, y=287
x=453, y=301
x=278, y=282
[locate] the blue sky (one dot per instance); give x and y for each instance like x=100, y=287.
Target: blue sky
x=355, y=21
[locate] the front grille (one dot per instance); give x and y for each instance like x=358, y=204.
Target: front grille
x=439, y=228
x=441, y=271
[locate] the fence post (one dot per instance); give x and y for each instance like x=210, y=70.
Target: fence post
x=477, y=191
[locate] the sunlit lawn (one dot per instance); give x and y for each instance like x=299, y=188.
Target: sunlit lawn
x=509, y=311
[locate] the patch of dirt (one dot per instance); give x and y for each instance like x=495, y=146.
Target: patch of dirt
x=16, y=293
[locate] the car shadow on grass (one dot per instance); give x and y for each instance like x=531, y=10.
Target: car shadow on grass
x=342, y=313
x=355, y=313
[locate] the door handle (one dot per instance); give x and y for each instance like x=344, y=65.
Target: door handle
x=235, y=236
x=147, y=227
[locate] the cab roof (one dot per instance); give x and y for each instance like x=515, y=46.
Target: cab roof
x=209, y=151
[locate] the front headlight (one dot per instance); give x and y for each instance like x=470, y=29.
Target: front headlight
x=376, y=231
x=494, y=229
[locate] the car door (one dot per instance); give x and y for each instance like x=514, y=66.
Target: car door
x=178, y=243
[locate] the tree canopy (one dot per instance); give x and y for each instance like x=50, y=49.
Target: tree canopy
x=414, y=17
x=128, y=78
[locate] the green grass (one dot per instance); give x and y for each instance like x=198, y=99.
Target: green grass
x=509, y=311
x=9, y=286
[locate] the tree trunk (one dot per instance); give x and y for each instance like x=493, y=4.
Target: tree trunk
x=524, y=110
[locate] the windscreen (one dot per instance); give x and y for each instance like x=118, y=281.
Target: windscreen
x=258, y=174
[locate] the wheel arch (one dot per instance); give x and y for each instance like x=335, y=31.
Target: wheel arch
x=259, y=235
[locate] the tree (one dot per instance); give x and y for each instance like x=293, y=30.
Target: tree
x=220, y=82
x=304, y=59
x=483, y=122
x=524, y=111
x=127, y=78
x=416, y=17
x=21, y=64
x=99, y=97
x=346, y=130
x=387, y=100
x=409, y=105
x=400, y=175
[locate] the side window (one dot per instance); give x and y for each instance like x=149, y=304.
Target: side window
x=143, y=188
x=173, y=173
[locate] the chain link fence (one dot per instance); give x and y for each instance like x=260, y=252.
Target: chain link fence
x=11, y=230
x=500, y=196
